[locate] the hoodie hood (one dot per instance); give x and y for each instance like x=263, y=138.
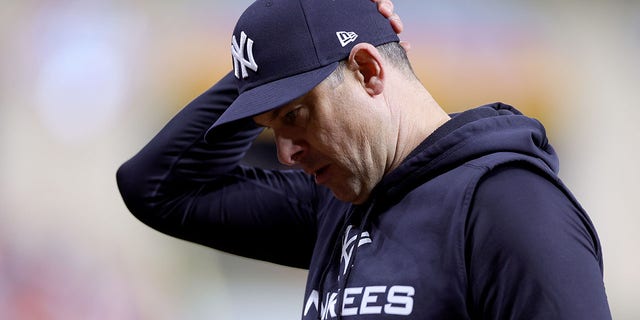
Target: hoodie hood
x=467, y=136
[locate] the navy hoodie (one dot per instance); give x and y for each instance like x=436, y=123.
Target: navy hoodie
x=474, y=224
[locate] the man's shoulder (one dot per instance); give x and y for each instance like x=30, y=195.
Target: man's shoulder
x=519, y=185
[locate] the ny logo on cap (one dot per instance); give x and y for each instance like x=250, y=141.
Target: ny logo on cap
x=346, y=37
x=239, y=61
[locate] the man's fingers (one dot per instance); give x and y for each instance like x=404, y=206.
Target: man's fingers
x=405, y=45
x=385, y=7
x=396, y=23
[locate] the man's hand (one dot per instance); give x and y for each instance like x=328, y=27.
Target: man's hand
x=386, y=9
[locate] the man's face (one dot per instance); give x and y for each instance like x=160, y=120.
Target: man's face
x=334, y=133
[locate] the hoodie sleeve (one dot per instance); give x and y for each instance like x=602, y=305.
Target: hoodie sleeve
x=531, y=253
x=185, y=187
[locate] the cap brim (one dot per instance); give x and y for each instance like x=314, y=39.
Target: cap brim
x=271, y=95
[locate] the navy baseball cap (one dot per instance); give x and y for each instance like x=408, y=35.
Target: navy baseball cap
x=281, y=49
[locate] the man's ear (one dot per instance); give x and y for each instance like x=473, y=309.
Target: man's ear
x=366, y=61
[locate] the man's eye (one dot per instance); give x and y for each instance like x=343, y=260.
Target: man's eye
x=290, y=117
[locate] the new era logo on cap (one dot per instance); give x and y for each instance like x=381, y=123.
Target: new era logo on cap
x=346, y=37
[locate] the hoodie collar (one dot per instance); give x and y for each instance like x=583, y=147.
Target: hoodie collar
x=457, y=120
x=468, y=135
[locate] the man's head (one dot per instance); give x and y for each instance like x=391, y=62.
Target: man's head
x=318, y=81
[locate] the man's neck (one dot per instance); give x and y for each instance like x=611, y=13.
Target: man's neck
x=418, y=115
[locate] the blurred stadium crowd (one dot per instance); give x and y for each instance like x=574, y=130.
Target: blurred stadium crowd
x=84, y=84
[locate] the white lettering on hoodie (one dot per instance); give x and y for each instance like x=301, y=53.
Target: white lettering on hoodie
x=392, y=300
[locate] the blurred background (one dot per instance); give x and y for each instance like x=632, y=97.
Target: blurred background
x=85, y=84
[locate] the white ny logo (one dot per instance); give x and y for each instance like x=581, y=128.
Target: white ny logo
x=237, y=52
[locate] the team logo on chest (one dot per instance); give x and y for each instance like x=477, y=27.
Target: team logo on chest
x=348, y=244
x=240, y=63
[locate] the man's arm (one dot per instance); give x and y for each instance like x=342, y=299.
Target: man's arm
x=187, y=188
x=531, y=254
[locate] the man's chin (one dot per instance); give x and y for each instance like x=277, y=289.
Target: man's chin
x=350, y=196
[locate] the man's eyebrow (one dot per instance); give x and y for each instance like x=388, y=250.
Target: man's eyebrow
x=272, y=116
x=274, y=113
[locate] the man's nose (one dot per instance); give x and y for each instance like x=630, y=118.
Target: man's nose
x=290, y=152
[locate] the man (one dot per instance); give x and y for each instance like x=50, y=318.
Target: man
x=397, y=209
